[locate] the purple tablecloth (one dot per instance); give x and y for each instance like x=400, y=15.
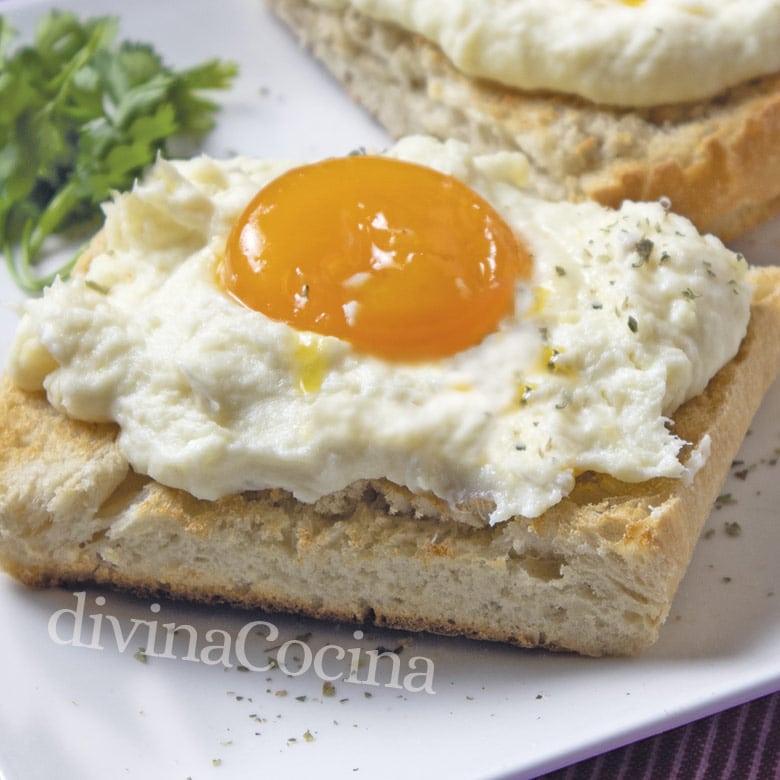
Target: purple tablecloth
x=741, y=743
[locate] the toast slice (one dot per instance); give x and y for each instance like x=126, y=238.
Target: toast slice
x=595, y=574
x=718, y=161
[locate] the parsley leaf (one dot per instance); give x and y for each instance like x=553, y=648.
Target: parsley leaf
x=83, y=116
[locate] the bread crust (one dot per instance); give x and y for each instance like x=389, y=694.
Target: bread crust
x=595, y=574
x=718, y=161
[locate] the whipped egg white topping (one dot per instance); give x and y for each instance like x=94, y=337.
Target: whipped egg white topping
x=628, y=314
x=621, y=52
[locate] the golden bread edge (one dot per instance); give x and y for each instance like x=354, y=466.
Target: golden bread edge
x=718, y=161
x=72, y=512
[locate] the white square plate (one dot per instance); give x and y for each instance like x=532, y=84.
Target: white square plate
x=97, y=710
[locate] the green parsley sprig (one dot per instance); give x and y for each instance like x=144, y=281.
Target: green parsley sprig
x=82, y=116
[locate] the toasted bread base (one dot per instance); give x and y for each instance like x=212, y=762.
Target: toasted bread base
x=596, y=574
x=718, y=161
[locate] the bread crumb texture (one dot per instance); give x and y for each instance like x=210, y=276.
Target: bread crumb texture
x=596, y=574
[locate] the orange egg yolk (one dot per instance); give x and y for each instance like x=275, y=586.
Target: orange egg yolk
x=401, y=261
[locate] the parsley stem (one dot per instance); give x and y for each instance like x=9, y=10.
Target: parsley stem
x=51, y=218
x=20, y=268
x=20, y=264
x=63, y=81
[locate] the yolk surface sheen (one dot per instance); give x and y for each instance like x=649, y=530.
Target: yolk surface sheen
x=403, y=262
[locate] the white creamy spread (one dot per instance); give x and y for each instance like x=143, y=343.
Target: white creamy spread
x=620, y=52
x=628, y=314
